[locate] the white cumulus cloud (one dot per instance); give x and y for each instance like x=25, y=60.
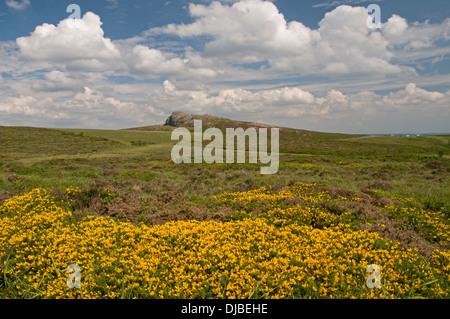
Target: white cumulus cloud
x=56, y=80
x=143, y=60
x=252, y=31
x=415, y=36
x=77, y=43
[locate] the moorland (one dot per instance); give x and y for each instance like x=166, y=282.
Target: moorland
x=140, y=226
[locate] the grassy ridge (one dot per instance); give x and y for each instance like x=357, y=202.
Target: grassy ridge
x=127, y=137
x=33, y=158
x=22, y=142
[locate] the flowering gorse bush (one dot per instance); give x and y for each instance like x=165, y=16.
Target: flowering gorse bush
x=277, y=254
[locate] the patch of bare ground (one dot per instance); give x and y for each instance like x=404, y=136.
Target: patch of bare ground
x=294, y=201
x=241, y=187
x=433, y=165
x=370, y=209
x=380, y=185
x=336, y=192
x=129, y=205
x=4, y=195
x=392, y=229
x=175, y=206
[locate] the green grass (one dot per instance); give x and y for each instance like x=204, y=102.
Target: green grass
x=23, y=142
x=140, y=159
x=128, y=137
x=37, y=157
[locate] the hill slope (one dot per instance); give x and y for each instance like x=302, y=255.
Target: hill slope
x=298, y=141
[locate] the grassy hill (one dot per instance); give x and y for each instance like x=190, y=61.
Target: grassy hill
x=413, y=166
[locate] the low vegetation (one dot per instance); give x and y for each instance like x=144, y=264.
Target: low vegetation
x=140, y=226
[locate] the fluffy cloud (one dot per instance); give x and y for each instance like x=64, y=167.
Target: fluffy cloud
x=28, y=106
x=295, y=101
x=243, y=32
x=295, y=107
x=143, y=60
x=252, y=31
x=78, y=43
x=95, y=100
x=247, y=31
x=348, y=46
x=285, y=106
x=416, y=36
x=228, y=100
x=89, y=107
x=57, y=81
x=414, y=97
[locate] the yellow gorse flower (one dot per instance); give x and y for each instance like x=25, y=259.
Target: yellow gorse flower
x=277, y=255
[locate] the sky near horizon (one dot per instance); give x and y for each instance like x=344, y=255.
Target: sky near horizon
x=310, y=64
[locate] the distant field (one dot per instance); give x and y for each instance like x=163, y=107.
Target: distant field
x=412, y=165
x=415, y=143
x=132, y=137
x=328, y=186
x=27, y=141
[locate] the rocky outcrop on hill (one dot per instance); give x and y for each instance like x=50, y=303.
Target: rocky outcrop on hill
x=181, y=119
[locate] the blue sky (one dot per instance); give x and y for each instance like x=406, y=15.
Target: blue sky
x=311, y=64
